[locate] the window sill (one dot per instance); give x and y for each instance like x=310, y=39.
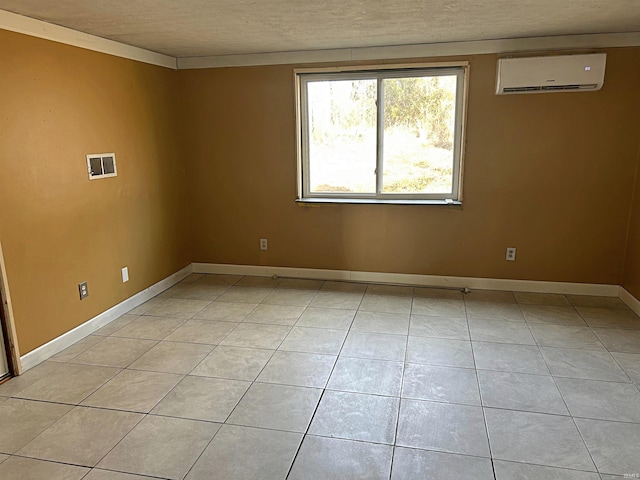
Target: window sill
x=405, y=201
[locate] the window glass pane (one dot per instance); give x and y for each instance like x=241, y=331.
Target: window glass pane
x=419, y=125
x=342, y=136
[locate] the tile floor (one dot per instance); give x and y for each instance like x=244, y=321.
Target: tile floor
x=229, y=377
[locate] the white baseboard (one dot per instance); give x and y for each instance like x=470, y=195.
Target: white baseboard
x=630, y=301
x=413, y=279
x=65, y=340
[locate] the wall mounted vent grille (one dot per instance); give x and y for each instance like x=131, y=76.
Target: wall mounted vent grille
x=550, y=88
x=101, y=165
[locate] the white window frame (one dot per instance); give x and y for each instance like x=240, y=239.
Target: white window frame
x=380, y=72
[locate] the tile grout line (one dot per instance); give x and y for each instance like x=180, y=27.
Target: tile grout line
x=253, y=382
x=573, y=421
x=482, y=408
x=404, y=367
x=222, y=423
x=315, y=410
x=147, y=414
x=324, y=389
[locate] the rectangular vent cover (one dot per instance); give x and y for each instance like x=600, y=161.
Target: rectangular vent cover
x=101, y=165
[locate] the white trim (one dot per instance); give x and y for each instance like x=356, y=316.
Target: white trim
x=507, y=45
x=632, y=302
x=379, y=66
x=65, y=340
x=49, y=31
x=413, y=279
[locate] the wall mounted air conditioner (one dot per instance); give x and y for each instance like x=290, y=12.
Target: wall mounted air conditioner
x=560, y=73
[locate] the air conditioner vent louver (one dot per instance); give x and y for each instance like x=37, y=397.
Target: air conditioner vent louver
x=550, y=88
x=559, y=73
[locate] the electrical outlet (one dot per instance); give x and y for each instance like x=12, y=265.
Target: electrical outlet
x=84, y=290
x=125, y=274
x=511, y=254
x=264, y=244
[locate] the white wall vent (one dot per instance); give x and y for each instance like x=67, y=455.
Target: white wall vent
x=101, y=165
x=559, y=73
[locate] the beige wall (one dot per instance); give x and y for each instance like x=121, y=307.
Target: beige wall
x=549, y=174
x=206, y=164
x=59, y=103
x=631, y=277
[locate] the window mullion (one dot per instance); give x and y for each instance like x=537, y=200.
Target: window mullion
x=379, y=136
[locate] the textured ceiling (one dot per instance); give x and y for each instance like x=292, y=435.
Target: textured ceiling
x=185, y=28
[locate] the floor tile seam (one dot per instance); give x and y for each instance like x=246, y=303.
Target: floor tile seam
x=306, y=432
x=317, y=406
x=556, y=324
x=615, y=327
x=312, y=326
x=181, y=342
x=138, y=412
x=536, y=346
x=253, y=382
x=95, y=389
x=204, y=449
x=142, y=417
x=549, y=466
x=586, y=320
x=48, y=402
x=594, y=349
x=505, y=343
x=58, y=462
x=594, y=380
x=622, y=422
x=150, y=477
x=102, y=338
x=438, y=366
x=611, y=354
x=584, y=442
x=215, y=347
x=96, y=333
x=447, y=452
x=572, y=417
x=578, y=349
x=404, y=368
x=157, y=342
x=481, y=399
x=344, y=341
x=185, y=319
x=154, y=406
x=443, y=450
x=378, y=333
x=336, y=437
x=150, y=369
x=589, y=350
x=166, y=415
x=72, y=407
x=521, y=410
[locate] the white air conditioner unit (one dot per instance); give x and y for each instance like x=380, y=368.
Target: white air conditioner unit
x=560, y=73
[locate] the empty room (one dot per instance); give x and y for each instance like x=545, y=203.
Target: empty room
x=338, y=240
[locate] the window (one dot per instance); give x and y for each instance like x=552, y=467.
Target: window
x=385, y=135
